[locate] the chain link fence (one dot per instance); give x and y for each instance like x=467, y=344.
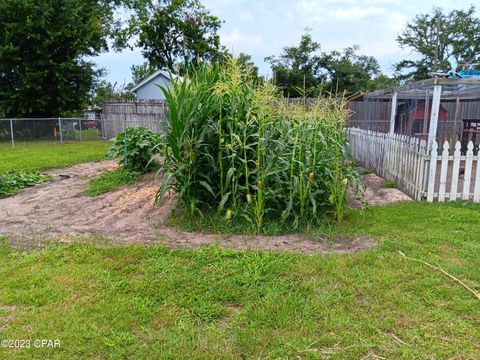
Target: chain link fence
x=61, y=130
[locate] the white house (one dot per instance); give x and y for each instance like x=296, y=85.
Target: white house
x=147, y=89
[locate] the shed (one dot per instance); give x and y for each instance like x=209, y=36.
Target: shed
x=410, y=118
x=147, y=89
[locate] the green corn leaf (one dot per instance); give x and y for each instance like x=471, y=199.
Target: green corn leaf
x=207, y=186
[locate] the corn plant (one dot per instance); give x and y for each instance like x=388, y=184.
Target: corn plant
x=244, y=151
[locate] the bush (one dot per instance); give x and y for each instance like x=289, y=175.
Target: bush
x=142, y=144
x=246, y=152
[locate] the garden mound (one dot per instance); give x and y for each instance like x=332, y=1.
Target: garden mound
x=59, y=210
x=376, y=195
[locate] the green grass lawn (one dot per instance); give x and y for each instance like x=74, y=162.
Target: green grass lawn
x=136, y=302
x=35, y=156
x=87, y=134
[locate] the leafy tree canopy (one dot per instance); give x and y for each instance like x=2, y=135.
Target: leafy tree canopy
x=382, y=81
x=247, y=65
x=141, y=72
x=106, y=91
x=442, y=41
x=296, y=67
x=43, y=50
x=174, y=33
x=348, y=71
x=305, y=70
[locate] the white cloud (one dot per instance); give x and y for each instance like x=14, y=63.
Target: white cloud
x=362, y=2
x=238, y=40
x=264, y=27
x=246, y=16
x=354, y=13
x=216, y=4
x=126, y=54
x=321, y=12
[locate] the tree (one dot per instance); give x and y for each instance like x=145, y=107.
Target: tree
x=348, y=71
x=43, y=50
x=248, y=66
x=297, y=67
x=176, y=33
x=382, y=81
x=141, y=72
x=443, y=41
x=106, y=91
x=304, y=70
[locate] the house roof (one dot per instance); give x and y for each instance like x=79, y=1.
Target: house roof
x=150, y=78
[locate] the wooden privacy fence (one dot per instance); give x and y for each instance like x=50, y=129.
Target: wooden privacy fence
x=148, y=113
x=420, y=173
x=117, y=114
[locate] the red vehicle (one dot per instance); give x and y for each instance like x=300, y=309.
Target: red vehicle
x=91, y=124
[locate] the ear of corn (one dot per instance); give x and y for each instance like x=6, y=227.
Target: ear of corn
x=244, y=151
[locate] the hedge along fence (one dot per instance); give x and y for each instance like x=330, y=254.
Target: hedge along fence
x=240, y=149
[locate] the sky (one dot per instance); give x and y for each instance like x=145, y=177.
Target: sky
x=263, y=28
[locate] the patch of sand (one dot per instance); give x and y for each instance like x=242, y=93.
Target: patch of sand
x=376, y=195
x=59, y=210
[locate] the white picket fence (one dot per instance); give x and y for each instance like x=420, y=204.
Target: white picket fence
x=420, y=174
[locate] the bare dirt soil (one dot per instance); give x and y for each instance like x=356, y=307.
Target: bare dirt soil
x=58, y=210
x=376, y=195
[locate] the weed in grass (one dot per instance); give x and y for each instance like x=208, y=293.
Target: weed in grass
x=388, y=184
x=4, y=245
x=366, y=171
x=111, y=180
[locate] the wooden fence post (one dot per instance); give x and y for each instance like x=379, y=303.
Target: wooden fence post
x=426, y=110
x=476, y=189
x=393, y=113
x=468, y=171
x=432, y=131
x=443, y=173
x=432, y=171
x=455, y=172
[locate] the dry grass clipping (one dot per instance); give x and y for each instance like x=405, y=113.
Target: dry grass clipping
x=438, y=268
